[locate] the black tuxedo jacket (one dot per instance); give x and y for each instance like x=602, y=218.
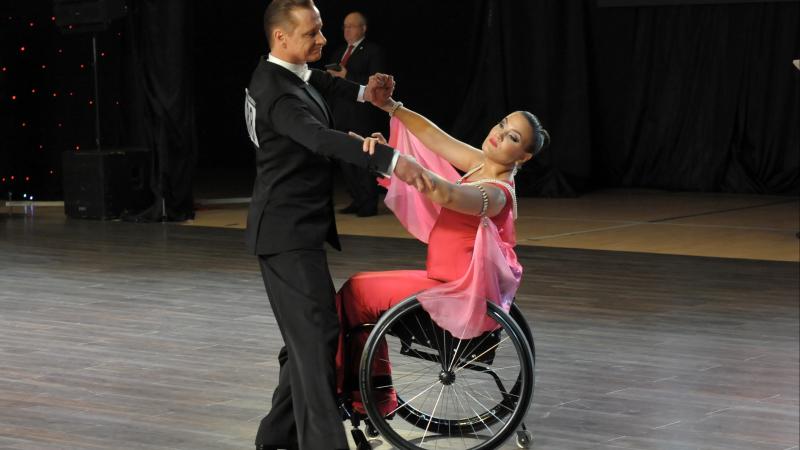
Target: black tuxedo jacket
x=363, y=118
x=292, y=206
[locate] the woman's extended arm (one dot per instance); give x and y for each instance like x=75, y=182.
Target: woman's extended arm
x=463, y=156
x=466, y=199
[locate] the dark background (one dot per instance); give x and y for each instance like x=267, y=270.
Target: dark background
x=614, y=3
x=680, y=97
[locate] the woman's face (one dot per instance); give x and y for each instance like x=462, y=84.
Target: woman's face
x=507, y=141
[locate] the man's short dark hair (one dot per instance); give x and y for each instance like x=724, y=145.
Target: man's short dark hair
x=279, y=12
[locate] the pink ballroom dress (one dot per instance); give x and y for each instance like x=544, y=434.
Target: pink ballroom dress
x=367, y=295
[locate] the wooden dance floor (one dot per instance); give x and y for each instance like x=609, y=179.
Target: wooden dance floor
x=662, y=321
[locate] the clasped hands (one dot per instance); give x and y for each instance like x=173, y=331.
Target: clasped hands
x=379, y=89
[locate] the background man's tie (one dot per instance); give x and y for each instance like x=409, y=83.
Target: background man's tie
x=346, y=56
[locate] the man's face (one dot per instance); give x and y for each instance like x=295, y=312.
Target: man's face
x=354, y=28
x=304, y=43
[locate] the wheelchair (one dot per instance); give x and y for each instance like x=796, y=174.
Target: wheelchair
x=450, y=393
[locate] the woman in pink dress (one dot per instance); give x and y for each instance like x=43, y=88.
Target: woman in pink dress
x=485, y=191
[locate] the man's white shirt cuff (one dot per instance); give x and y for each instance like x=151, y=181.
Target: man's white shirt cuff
x=391, y=166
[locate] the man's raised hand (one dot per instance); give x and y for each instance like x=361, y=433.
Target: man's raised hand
x=379, y=89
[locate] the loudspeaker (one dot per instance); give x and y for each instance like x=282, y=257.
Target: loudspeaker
x=75, y=16
x=101, y=185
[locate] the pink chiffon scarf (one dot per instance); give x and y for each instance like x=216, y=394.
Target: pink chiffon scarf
x=494, y=272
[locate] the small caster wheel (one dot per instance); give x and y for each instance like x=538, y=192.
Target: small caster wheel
x=524, y=439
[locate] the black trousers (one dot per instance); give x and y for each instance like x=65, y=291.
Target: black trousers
x=304, y=410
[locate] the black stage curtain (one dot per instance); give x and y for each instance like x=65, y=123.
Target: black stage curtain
x=700, y=98
x=159, y=75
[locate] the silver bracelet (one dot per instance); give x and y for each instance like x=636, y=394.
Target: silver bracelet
x=394, y=108
x=485, y=198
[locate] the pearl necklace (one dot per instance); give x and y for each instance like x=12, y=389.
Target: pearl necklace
x=505, y=184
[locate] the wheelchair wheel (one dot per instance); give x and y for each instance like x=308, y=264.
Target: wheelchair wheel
x=451, y=393
x=516, y=314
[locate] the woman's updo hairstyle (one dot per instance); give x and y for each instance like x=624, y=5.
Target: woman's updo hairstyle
x=541, y=138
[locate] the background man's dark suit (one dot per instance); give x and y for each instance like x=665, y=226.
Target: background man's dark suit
x=366, y=59
x=290, y=219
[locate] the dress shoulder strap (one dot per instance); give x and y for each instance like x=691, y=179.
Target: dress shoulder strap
x=470, y=172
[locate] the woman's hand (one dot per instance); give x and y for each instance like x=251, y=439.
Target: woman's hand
x=368, y=144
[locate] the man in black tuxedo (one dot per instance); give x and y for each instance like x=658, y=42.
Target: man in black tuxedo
x=358, y=59
x=291, y=217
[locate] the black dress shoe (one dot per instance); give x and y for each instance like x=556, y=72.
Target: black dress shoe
x=352, y=208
